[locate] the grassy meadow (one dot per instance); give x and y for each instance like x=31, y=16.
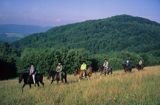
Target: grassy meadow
x=136, y=88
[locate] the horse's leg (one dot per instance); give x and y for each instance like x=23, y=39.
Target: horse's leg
x=79, y=78
x=111, y=71
x=65, y=80
x=52, y=81
x=105, y=72
x=29, y=85
x=88, y=77
x=57, y=81
x=129, y=70
x=38, y=83
x=53, y=78
x=23, y=87
x=142, y=67
x=42, y=83
x=101, y=73
x=85, y=73
x=62, y=78
x=125, y=70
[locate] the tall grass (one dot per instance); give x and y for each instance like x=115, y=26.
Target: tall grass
x=136, y=88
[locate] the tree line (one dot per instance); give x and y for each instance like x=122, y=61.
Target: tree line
x=8, y=56
x=13, y=62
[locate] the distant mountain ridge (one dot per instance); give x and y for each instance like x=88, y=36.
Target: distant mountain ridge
x=13, y=32
x=122, y=32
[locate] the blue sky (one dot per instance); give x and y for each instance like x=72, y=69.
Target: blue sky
x=60, y=12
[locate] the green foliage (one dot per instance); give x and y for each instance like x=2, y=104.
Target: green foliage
x=117, y=58
x=7, y=52
x=47, y=59
x=8, y=56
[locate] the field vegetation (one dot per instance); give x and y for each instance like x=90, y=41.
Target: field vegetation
x=136, y=88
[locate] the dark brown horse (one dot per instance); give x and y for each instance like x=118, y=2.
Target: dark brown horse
x=127, y=68
x=27, y=79
x=139, y=67
x=55, y=76
x=105, y=71
x=83, y=74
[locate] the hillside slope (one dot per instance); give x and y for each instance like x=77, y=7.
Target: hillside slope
x=122, y=32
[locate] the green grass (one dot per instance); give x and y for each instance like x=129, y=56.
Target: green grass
x=136, y=88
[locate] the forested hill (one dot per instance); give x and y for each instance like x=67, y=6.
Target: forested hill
x=122, y=32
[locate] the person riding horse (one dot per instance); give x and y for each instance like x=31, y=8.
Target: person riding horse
x=32, y=72
x=25, y=78
x=83, y=68
x=83, y=72
x=105, y=69
x=127, y=65
x=140, y=65
x=59, y=70
x=105, y=64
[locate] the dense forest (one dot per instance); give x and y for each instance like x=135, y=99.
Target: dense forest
x=117, y=33
x=116, y=38
x=8, y=57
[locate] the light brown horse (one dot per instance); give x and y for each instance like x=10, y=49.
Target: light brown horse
x=83, y=73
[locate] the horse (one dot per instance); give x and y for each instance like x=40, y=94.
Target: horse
x=104, y=71
x=87, y=74
x=127, y=68
x=27, y=79
x=139, y=67
x=55, y=76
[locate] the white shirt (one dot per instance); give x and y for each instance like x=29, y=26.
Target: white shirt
x=105, y=64
x=31, y=69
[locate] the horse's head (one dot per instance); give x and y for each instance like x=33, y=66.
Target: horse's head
x=139, y=67
x=20, y=77
x=23, y=76
x=89, y=69
x=76, y=72
x=100, y=69
x=124, y=66
x=49, y=75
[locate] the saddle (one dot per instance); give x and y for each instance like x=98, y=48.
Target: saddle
x=30, y=78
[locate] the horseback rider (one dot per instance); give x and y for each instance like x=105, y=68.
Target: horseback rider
x=32, y=72
x=128, y=63
x=140, y=63
x=105, y=64
x=59, y=70
x=83, y=68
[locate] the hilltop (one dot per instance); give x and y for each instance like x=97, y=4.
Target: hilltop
x=122, y=32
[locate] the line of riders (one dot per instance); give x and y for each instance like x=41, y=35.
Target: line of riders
x=83, y=72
